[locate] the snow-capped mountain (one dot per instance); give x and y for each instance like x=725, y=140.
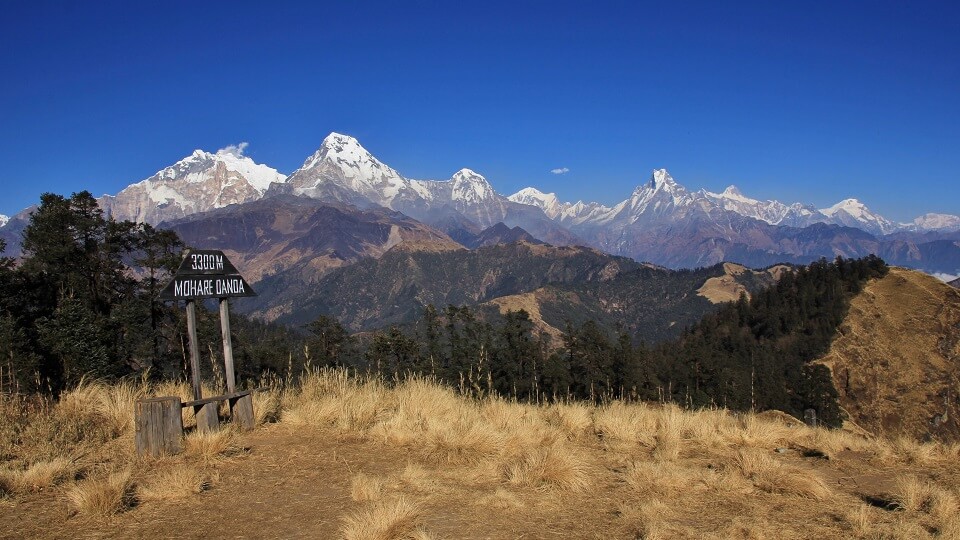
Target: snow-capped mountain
x=199, y=182
x=3, y=220
x=566, y=213
x=935, y=222
x=342, y=170
x=661, y=221
x=853, y=213
x=662, y=195
x=773, y=212
x=548, y=202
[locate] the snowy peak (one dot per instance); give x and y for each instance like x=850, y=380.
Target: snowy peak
x=853, y=213
x=937, y=222
x=471, y=187
x=548, y=202
x=661, y=180
x=199, y=182
x=343, y=150
x=197, y=167
x=344, y=170
x=852, y=207
x=3, y=220
x=732, y=192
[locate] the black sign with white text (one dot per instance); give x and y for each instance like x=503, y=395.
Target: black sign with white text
x=206, y=274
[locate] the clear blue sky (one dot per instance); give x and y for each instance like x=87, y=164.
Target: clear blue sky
x=799, y=101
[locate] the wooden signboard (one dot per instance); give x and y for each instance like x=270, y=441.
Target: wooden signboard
x=207, y=274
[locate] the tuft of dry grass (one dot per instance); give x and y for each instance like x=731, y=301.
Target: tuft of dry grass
x=670, y=427
x=212, y=447
x=44, y=474
x=177, y=482
x=913, y=494
x=574, y=419
x=398, y=519
x=859, y=521
x=659, y=478
x=647, y=520
x=771, y=476
x=102, y=497
x=552, y=467
x=364, y=487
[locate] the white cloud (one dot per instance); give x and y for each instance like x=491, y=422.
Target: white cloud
x=944, y=277
x=562, y=170
x=234, y=149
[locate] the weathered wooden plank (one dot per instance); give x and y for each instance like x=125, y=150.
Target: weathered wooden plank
x=227, y=345
x=212, y=399
x=241, y=411
x=207, y=419
x=194, y=348
x=158, y=426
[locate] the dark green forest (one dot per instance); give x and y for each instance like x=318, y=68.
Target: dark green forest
x=82, y=303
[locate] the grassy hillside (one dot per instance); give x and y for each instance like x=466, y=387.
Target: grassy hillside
x=896, y=360
x=353, y=459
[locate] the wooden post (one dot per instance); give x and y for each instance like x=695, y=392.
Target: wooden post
x=241, y=411
x=194, y=348
x=207, y=419
x=227, y=346
x=159, y=426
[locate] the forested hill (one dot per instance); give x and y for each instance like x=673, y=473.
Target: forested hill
x=752, y=354
x=395, y=288
x=757, y=354
x=556, y=284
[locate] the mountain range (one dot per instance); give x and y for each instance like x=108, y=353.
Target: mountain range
x=662, y=222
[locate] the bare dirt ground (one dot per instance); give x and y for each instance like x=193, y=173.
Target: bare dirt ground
x=302, y=482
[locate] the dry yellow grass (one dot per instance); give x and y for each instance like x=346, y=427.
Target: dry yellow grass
x=894, y=361
x=176, y=482
x=398, y=519
x=44, y=474
x=772, y=476
x=101, y=497
x=364, y=487
x=211, y=447
x=643, y=470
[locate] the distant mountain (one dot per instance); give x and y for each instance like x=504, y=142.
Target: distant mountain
x=394, y=288
x=554, y=284
x=849, y=212
x=665, y=223
x=955, y=283
x=661, y=222
x=936, y=222
x=499, y=234
x=3, y=220
x=343, y=171
x=199, y=182
x=302, y=239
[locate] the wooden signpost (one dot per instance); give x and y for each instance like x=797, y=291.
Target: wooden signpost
x=202, y=274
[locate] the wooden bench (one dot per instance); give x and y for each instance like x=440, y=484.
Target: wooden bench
x=241, y=410
x=159, y=424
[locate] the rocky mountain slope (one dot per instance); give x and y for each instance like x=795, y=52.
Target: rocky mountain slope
x=201, y=181
x=303, y=239
x=556, y=285
x=896, y=362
